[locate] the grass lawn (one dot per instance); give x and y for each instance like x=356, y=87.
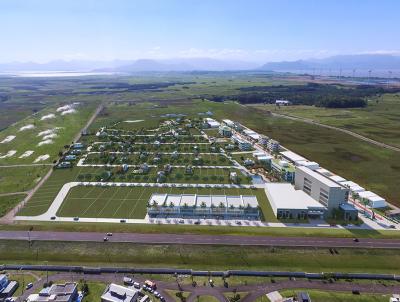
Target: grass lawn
x=182, y=159
x=333, y=296
x=96, y=289
x=200, y=257
x=20, y=179
x=206, y=299
x=379, y=120
x=65, y=127
x=131, y=202
x=176, y=295
x=233, y=295
x=9, y=202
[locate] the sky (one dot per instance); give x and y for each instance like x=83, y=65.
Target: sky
x=248, y=30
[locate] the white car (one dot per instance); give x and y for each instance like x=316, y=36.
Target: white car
x=136, y=285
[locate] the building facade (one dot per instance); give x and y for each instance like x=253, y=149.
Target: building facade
x=203, y=206
x=327, y=192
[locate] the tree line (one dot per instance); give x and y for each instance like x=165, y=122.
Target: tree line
x=321, y=95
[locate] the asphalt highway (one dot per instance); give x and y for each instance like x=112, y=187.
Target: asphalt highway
x=202, y=239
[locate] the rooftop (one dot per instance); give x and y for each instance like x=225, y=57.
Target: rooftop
x=118, y=293
x=284, y=196
x=193, y=200
x=319, y=177
x=294, y=157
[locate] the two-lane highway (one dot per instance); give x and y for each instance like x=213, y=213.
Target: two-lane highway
x=202, y=239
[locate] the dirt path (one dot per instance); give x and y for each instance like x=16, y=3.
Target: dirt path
x=356, y=135
x=13, y=193
x=9, y=217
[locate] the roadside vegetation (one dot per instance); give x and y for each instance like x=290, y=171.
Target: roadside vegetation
x=204, y=257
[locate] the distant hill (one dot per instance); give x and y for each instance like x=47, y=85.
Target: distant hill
x=184, y=64
x=189, y=64
x=350, y=62
x=379, y=64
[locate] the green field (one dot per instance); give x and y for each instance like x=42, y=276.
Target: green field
x=333, y=296
x=380, y=120
x=65, y=128
x=203, y=257
x=181, y=159
x=40, y=202
x=9, y=202
x=20, y=179
x=131, y=202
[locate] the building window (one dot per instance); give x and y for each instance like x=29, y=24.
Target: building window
x=323, y=197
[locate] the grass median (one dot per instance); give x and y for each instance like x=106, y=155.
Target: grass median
x=203, y=257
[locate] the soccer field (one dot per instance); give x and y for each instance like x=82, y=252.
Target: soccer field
x=130, y=202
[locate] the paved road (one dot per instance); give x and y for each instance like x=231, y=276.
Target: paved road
x=204, y=239
x=359, y=136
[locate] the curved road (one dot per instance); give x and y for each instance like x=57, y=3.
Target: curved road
x=203, y=239
x=359, y=136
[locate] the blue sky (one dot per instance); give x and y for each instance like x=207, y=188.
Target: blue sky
x=252, y=30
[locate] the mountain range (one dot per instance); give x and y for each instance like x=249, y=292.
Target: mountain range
x=349, y=62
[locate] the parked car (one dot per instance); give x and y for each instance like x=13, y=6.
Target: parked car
x=136, y=285
x=128, y=281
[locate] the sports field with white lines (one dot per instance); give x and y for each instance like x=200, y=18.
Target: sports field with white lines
x=130, y=202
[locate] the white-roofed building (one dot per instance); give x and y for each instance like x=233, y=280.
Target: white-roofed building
x=118, y=293
x=309, y=164
x=211, y=122
x=200, y=206
x=252, y=134
x=323, y=189
x=286, y=202
x=337, y=178
x=229, y=123
x=293, y=157
x=373, y=200
x=324, y=172
x=263, y=157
